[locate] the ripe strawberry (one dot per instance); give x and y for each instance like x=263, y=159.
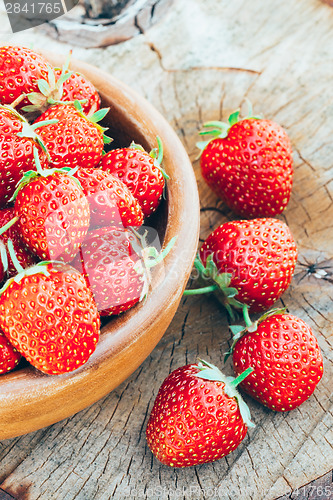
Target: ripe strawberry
x=198, y=416
x=250, y=262
x=16, y=151
x=49, y=315
x=9, y=356
x=74, y=140
x=249, y=164
x=140, y=171
x=78, y=87
x=62, y=85
x=25, y=257
x=110, y=266
x=54, y=213
x=20, y=70
x=116, y=263
x=286, y=358
x=111, y=203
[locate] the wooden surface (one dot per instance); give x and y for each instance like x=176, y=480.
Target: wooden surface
x=200, y=63
x=102, y=30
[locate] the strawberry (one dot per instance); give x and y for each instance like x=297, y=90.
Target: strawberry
x=78, y=87
x=286, y=358
x=108, y=263
x=250, y=262
x=74, y=140
x=110, y=201
x=53, y=212
x=249, y=165
x=17, y=141
x=62, y=85
x=20, y=70
x=49, y=315
x=198, y=416
x=116, y=262
x=25, y=257
x=140, y=171
x=9, y=356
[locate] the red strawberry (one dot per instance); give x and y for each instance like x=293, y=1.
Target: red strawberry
x=116, y=263
x=16, y=152
x=50, y=317
x=78, y=87
x=23, y=254
x=54, y=213
x=249, y=164
x=20, y=70
x=286, y=358
x=111, y=203
x=250, y=262
x=9, y=356
x=74, y=140
x=109, y=265
x=62, y=85
x=140, y=171
x=198, y=416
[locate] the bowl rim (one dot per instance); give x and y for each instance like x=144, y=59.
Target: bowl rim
x=30, y=400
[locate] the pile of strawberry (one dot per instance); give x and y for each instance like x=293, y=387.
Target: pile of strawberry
x=69, y=214
x=199, y=416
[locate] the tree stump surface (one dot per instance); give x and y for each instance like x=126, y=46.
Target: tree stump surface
x=199, y=63
x=104, y=28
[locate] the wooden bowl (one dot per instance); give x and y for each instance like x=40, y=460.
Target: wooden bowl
x=29, y=399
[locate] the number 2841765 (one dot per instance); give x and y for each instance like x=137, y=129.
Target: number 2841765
x=34, y=8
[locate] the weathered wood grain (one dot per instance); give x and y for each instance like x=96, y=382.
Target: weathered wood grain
x=198, y=64
x=107, y=23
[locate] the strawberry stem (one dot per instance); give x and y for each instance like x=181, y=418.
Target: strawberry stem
x=226, y=293
x=199, y=291
x=152, y=257
x=242, y=376
x=247, y=319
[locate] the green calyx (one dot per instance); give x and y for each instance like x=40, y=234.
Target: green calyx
x=30, y=175
x=157, y=154
x=239, y=331
x=40, y=268
x=221, y=284
x=50, y=90
x=95, y=118
x=208, y=371
x=148, y=257
x=3, y=257
x=9, y=224
x=28, y=130
x=220, y=130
